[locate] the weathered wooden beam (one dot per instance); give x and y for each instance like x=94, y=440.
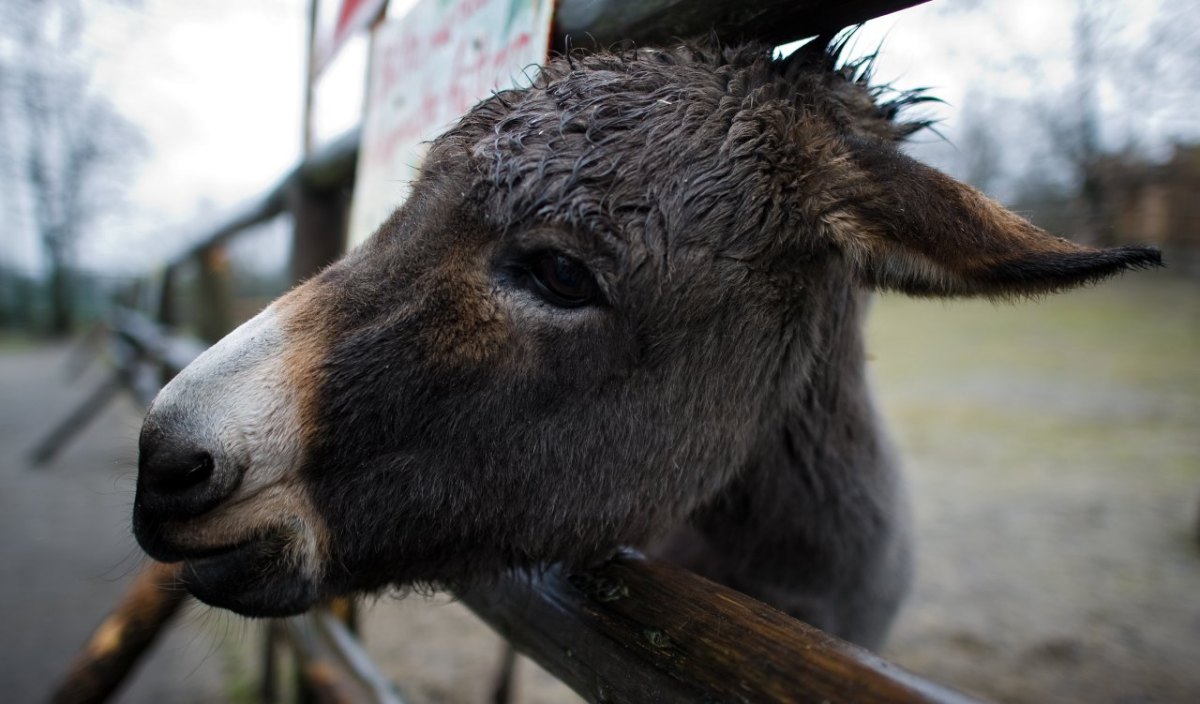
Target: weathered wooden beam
x=152, y=341
x=639, y=630
x=119, y=641
x=125, y=375
x=332, y=166
x=166, y=314
x=319, y=222
x=248, y=214
x=329, y=168
x=55, y=440
x=325, y=678
x=345, y=645
x=605, y=22
x=268, y=685
x=318, y=198
x=214, y=291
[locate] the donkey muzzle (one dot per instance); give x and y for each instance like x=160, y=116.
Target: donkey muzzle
x=218, y=475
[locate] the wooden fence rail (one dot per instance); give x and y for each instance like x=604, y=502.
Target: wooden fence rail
x=125, y=633
x=640, y=630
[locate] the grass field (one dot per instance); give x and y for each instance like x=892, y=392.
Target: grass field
x=1053, y=450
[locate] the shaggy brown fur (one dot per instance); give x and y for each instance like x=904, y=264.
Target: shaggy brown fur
x=621, y=306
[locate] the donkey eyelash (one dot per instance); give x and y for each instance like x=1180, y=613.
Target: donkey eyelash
x=559, y=279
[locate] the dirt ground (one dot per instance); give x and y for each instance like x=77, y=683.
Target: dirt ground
x=1053, y=451
x=1053, y=455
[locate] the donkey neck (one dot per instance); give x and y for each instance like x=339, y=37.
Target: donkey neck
x=819, y=491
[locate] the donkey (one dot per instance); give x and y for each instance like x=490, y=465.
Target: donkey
x=621, y=306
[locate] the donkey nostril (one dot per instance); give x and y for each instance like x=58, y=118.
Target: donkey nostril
x=179, y=475
x=199, y=472
x=181, y=472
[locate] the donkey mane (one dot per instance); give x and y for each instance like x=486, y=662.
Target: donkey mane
x=581, y=104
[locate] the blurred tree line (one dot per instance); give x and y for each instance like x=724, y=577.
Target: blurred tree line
x=1094, y=164
x=65, y=157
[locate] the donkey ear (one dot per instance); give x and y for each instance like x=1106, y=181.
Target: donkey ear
x=913, y=229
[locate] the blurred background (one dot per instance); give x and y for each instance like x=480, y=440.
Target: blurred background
x=1052, y=445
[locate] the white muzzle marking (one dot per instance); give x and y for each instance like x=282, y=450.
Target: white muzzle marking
x=236, y=400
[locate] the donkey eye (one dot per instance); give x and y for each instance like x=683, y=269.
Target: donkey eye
x=562, y=281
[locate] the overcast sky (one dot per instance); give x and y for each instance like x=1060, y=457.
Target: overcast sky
x=216, y=86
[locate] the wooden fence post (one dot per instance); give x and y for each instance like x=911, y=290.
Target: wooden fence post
x=320, y=219
x=215, y=314
x=119, y=641
x=166, y=313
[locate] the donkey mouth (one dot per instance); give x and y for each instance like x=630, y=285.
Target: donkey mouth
x=257, y=578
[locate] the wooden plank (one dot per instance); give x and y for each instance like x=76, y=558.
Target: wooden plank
x=637, y=630
x=254, y=211
x=152, y=341
x=605, y=22
x=324, y=675
x=329, y=167
x=55, y=440
x=319, y=221
x=349, y=651
x=125, y=375
x=333, y=662
x=214, y=291
x=119, y=641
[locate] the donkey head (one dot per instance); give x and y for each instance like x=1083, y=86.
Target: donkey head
x=574, y=333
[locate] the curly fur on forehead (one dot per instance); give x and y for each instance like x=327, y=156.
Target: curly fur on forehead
x=647, y=143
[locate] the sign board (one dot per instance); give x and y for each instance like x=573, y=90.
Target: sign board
x=352, y=17
x=428, y=68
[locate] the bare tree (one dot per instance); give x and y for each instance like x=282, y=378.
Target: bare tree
x=1127, y=96
x=1085, y=149
x=1072, y=119
x=66, y=148
x=1142, y=82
